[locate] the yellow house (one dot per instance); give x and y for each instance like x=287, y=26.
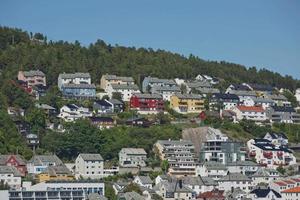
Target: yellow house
x=187, y=103
x=55, y=173
x=107, y=80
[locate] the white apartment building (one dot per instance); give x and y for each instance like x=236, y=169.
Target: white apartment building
x=10, y=176
x=132, y=157
x=179, y=154
x=126, y=90
x=253, y=113
x=270, y=155
x=212, y=169
x=73, y=78
x=89, y=166
x=72, y=112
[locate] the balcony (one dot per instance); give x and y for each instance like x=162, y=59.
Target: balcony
x=268, y=155
x=252, y=154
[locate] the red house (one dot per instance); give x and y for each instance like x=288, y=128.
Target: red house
x=147, y=103
x=16, y=161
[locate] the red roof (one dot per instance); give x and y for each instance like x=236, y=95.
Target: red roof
x=214, y=194
x=292, y=190
x=251, y=108
x=289, y=182
x=280, y=183
x=296, y=179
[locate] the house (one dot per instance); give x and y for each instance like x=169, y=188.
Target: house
x=10, y=176
x=144, y=181
x=212, y=169
x=150, y=82
x=282, y=114
x=284, y=184
x=196, y=85
x=72, y=90
x=179, y=154
x=219, y=101
x=107, y=80
x=265, y=194
x=39, y=163
x=265, y=175
x=118, y=106
x=138, y=121
x=291, y=194
x=199, y=184
x=32, y=77
x=72, y=112
x=73, y=78
x=238, y=87
x=279, y=99
x=277, y=138
x=49, y=110
x=131, y=196
x=214, y=194
x=102, y=122
x=242, y=94
x=59, y=190
x=246, y=167
x=205, y=92
x=236, y=194
x=270, y=155
x=252, y=113
x=235, y=180
x=55, y=173
x=125, y=90
x=147, y=103
x=173, y=190
x=132, y=157
x=103, y=106
x=16, y=161
x=260, y=88
x=165, y=91
x=32, y=140
x=258, y=101
x=89, y=166
x=187, y=103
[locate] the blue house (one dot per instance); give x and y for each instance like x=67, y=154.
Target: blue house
x=79, y=90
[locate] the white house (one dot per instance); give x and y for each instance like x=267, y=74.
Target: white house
x=291, y=194
x=199, y=184
x=144, y=181
x=73, y=78
x=256, y=101
x=89, y=166
x=72, y=112
x=211, y=169
x=265, y=194
x=253, y=113
x=265, y=175
x=39, y=163
x=165, y=91
x=277, y=138
x=132, y=157
x=126, y=90
x=235, y=180
x=10, y=176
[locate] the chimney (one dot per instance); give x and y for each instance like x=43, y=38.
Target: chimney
x=180, y=183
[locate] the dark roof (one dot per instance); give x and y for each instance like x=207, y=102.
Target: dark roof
x=271, y=147
x=225, y=96
x=102, y=103
x=72, y=106
x=258, y=140
x=277, y=135
x=283, y=109
x=261, y=87
x=101, y=119
x=264, y=192
x=240, y=87
x=91, y=156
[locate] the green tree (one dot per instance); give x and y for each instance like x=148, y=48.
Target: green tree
x=164, y=166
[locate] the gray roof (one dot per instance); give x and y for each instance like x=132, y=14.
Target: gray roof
x=122, y=78
x=74, y=75
x=208, y=90
x=91, y=156
x=213, y=165
x=265, y=172
x=158, y=80
x=131, y=196
x=188, y=96
x=41, y=159
x=174, y=142
x=96, y=196
x=44, y=106
x=84, y=86
x=145, y=179
x=234, y=177
x=125, y=86
x=243, y=163
x=278, y=97
x=198, y=84
x=55, y=170
x=9, y=170
x=242, y=92
x=173, y=187
x=134, y=151
x=157, y=88
x=4, y=158
x=148, y=96
x=262, y=100
x=197, y=180
x=34, y=73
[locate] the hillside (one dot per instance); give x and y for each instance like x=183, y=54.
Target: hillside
x=22, y=50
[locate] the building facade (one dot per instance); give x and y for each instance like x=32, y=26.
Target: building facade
x=187, y=103
x=132, y=157
x=147, y=103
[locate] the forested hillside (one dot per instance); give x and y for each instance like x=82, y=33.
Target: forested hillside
x=22, y=50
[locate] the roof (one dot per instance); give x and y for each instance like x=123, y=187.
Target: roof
x=79, y=86
x=173, y=186
x=278, y=97
x=74, y=75
x=165, y=88
x=234, y=177
x=262, y=100
x=240, y=87
x=198, y=180
x=115, y=101
x=208, y=90
x=225, y=96
x=33, y=73
x=213, y=165
x=243, y=163
x=261, y=193
x=102, y=103
x=91, y=156
x=283, y=109
x=134, y=151
x=72, y=106
x=271, y=147
x=55, y=170
x=131, y=196
x=265, y=172
x=4, y=159
x=214, y=194
x=101, y=119
x=145, y=179
x=280, y=183
x=174, y=142
x=10, y=170
x=277, y=135
x=96, y=196
x=158, y=80
x=292, y=190
x=188, y=96
x=124, y=86
x=197, y=84
x=42, y=159
x=260, y=87
x=242, y=92
x=251, y=108
x=147, y=96
x=44, y=106
x=122, y=78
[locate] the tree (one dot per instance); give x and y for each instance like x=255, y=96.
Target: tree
x=110, y=192
x=164, y=166
x=133, y=187
x=281, y=170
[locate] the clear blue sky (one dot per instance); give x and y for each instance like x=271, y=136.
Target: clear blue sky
x=262, y=33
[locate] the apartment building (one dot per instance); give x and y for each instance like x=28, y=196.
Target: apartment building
x=283, y=114
x=32, y=77
x=132, y=157
x=165, y=91
x=253, y=113
x=107, y=80
x=89, y=166
x=187, y=103
x=147, y=103
x=125, y=90
x=225, y=101
x=212, y=169
x=179, y=154
x=78, y=90
x=72, y=112
x=258, y=101
x=150, y=82
x=73, y=78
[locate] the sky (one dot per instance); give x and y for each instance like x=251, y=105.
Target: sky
x=261, y=33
